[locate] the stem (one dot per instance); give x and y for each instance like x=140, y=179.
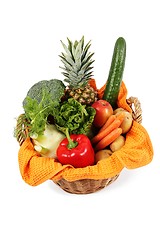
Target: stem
x=71, y=144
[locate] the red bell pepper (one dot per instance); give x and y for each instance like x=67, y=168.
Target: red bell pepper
x=76, y=150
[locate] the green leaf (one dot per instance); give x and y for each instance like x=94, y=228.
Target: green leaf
x=37, y=113
x=66, y=49
x=74, y=116
x=86, y=49
x=87, y=58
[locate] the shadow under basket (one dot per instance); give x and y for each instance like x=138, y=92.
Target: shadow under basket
x=83, y=186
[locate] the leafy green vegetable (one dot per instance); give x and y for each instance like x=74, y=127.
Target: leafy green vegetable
x=42, y=100
x=37, y=113
x=74, y=116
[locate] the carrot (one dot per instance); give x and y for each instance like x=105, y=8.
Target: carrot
x=115, y=124
x=108, y=139
x=120, y=117
x=108, y=122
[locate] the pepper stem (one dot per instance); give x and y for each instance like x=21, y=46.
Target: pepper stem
x=71, y=144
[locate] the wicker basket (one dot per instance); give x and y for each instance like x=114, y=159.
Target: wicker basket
x=83, y=186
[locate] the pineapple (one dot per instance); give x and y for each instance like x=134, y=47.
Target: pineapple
x=78, y=71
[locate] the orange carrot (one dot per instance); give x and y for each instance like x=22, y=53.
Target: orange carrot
x=115, y=124
x=120, y=117
x=108, y=139
x=108, y=122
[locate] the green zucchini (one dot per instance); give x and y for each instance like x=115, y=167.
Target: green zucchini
x=116, y=72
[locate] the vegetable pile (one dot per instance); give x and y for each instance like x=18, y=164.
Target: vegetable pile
x=65, y=118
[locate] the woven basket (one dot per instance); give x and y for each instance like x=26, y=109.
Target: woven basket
x=83, y=186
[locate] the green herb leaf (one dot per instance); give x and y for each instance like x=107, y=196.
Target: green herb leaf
x=37, y=113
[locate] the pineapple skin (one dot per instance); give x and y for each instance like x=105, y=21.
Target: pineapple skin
x=85, y=95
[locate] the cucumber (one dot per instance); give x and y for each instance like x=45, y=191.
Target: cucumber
x=116, y=72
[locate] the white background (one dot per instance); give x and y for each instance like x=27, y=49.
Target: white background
x=30, y=34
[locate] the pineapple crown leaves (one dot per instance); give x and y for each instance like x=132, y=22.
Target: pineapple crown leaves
x=77, y=63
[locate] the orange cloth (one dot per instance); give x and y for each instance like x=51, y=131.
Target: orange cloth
x=136, y=152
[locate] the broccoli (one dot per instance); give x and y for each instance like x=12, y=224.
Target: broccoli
x=54, y=87
x=42, y=100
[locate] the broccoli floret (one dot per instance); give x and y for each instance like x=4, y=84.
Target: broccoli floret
x=54, y=87
x=42, y=100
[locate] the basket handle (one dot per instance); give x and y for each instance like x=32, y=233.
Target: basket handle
x=135, y=105
x=21, y=129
